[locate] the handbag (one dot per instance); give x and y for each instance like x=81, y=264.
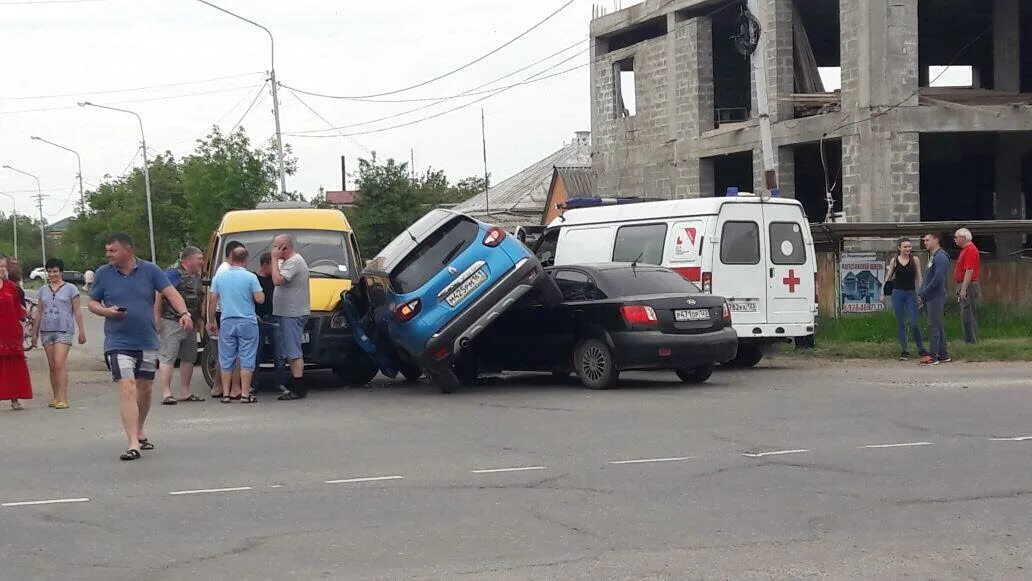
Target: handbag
x=888, y=288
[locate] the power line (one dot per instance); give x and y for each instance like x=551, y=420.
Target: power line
x=453, y=109
x=32, y=2
x=67, y=199
x=445, y=98
x=130, y=101
x=470, y=63
x=257, y=97
x=132, y=89
x=239, y=103
x=326, y=121
x=469, y=93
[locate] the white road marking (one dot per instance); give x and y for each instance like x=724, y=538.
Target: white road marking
x=367, y=479
x=496, y=470
x=275, y=486
x=775, y=453
x=648, y=460
x=37, y=502
x=210, y=490
x=905, y=445
x=1018, y=439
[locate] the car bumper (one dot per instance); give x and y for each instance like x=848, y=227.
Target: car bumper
x=642, y=349
x=774, y=332
x=446, y=344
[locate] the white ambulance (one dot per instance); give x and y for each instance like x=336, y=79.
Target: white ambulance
x=757, y=253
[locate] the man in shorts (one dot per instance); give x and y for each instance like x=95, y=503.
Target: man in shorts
x=176, y=342
x=123, y=293
x=216, y=391
x=239, y=291
x=291, y=305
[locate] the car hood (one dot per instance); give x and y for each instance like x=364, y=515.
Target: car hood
x=325, y=292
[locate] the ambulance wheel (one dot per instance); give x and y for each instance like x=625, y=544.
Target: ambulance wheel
x=748, y=356
x=695, y=374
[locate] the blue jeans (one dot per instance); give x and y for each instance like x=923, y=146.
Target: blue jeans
x=936, y=307
x=904, y=303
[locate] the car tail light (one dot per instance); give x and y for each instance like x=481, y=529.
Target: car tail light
x=639, y=315
x=494, y=237
x=407, y=311
x=727, y=313
x=442, y=354
x=707, y=282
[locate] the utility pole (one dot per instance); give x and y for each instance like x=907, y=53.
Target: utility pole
x=78, y=158
x=39, y=200
x=412, y=163
x=275, y=92
x=758, y=60
x=487, y=186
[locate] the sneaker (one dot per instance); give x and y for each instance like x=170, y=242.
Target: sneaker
x=937, y=362
x=929, y=360
x=904, y=356
x=946, y=359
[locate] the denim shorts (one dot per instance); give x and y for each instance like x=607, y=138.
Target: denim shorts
x=49, y=338
x=288, y=337
x=238, y=338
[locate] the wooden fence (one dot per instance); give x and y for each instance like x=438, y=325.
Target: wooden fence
x=1006, y=283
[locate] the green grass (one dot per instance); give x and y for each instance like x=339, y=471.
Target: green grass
x=1004, y=333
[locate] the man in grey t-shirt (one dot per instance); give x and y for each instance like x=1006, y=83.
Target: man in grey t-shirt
x=291, y=305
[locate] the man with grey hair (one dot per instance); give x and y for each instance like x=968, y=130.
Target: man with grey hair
x=967, y=275
x=291, y=305
x=176, y=342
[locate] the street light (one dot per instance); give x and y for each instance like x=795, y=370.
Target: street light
x=39, y=199
x=82, y=196
x=146, y=172
x=14, y=204
x=275, y=94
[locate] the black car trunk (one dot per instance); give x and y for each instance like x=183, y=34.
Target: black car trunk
x=684, y=314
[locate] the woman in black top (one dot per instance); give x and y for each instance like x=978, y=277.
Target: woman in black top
x=904, y=272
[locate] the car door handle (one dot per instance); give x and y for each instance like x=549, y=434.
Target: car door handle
x=772, y=273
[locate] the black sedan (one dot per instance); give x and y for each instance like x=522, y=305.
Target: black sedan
x=614, y=317
x=74, y=277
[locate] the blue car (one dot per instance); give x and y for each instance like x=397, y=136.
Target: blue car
x=444, y=280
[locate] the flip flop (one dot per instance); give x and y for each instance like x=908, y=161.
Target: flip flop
x=169, y=400
x=227, y=399
x=192, y=397
x=145, y=444
x=249, y=399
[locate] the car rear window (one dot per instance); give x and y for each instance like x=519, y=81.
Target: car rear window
x=433, y=254
x=626, y=282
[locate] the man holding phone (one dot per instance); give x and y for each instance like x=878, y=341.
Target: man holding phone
x=123, y=293
x=291, y=305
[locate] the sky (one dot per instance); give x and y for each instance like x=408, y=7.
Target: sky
x=71, y=51
x=204, y=68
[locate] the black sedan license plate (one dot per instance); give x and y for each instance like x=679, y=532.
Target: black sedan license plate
x=467, y=286
x=681, y=315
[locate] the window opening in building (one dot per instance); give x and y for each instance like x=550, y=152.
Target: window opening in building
x=816, y=42
x=815, y=177
x=734, y=170
x=947, y=76
x=626, y=89
x=732, y=79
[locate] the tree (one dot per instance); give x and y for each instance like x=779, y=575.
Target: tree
x=389, y=200
x=225, y=174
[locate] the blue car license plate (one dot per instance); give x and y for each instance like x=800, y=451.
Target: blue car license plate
x=476, y=279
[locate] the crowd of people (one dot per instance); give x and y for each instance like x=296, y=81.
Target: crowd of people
x=152, y=319
x=909, y=289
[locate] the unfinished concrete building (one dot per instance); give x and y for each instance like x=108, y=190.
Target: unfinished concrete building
x=674, y=111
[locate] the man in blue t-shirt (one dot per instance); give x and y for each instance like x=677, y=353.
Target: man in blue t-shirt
x=123, y=293
x=238, y=290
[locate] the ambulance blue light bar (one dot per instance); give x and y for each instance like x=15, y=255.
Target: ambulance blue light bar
x=732, y=192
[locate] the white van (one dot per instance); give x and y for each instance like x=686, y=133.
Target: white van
x=757, y=253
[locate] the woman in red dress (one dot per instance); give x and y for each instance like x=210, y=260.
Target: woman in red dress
x=14, y=371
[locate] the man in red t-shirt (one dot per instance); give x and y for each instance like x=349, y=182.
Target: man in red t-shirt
x=969, y=291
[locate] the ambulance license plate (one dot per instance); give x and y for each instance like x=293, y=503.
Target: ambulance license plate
x=681, y=315
x=467, y=286
x=743, y=307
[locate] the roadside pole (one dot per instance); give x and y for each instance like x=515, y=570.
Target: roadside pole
x=758, y=60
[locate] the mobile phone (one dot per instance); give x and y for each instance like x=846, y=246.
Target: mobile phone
x=120, y=309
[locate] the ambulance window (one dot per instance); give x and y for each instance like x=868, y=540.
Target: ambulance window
x=643, y=244
x=740, y=243
x=786, y=243
x=545, y=250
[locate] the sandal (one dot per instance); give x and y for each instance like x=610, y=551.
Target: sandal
x=130, y=454
x=235, y=397
x=61, y=405
x=288, y=396
x=145, y=444
x=16, y=406
x=192, y=397
x=227, y=399
x=249, y=399
x=52, y=403
x=169, y=400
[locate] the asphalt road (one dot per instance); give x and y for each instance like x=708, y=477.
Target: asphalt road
x=796, y=469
